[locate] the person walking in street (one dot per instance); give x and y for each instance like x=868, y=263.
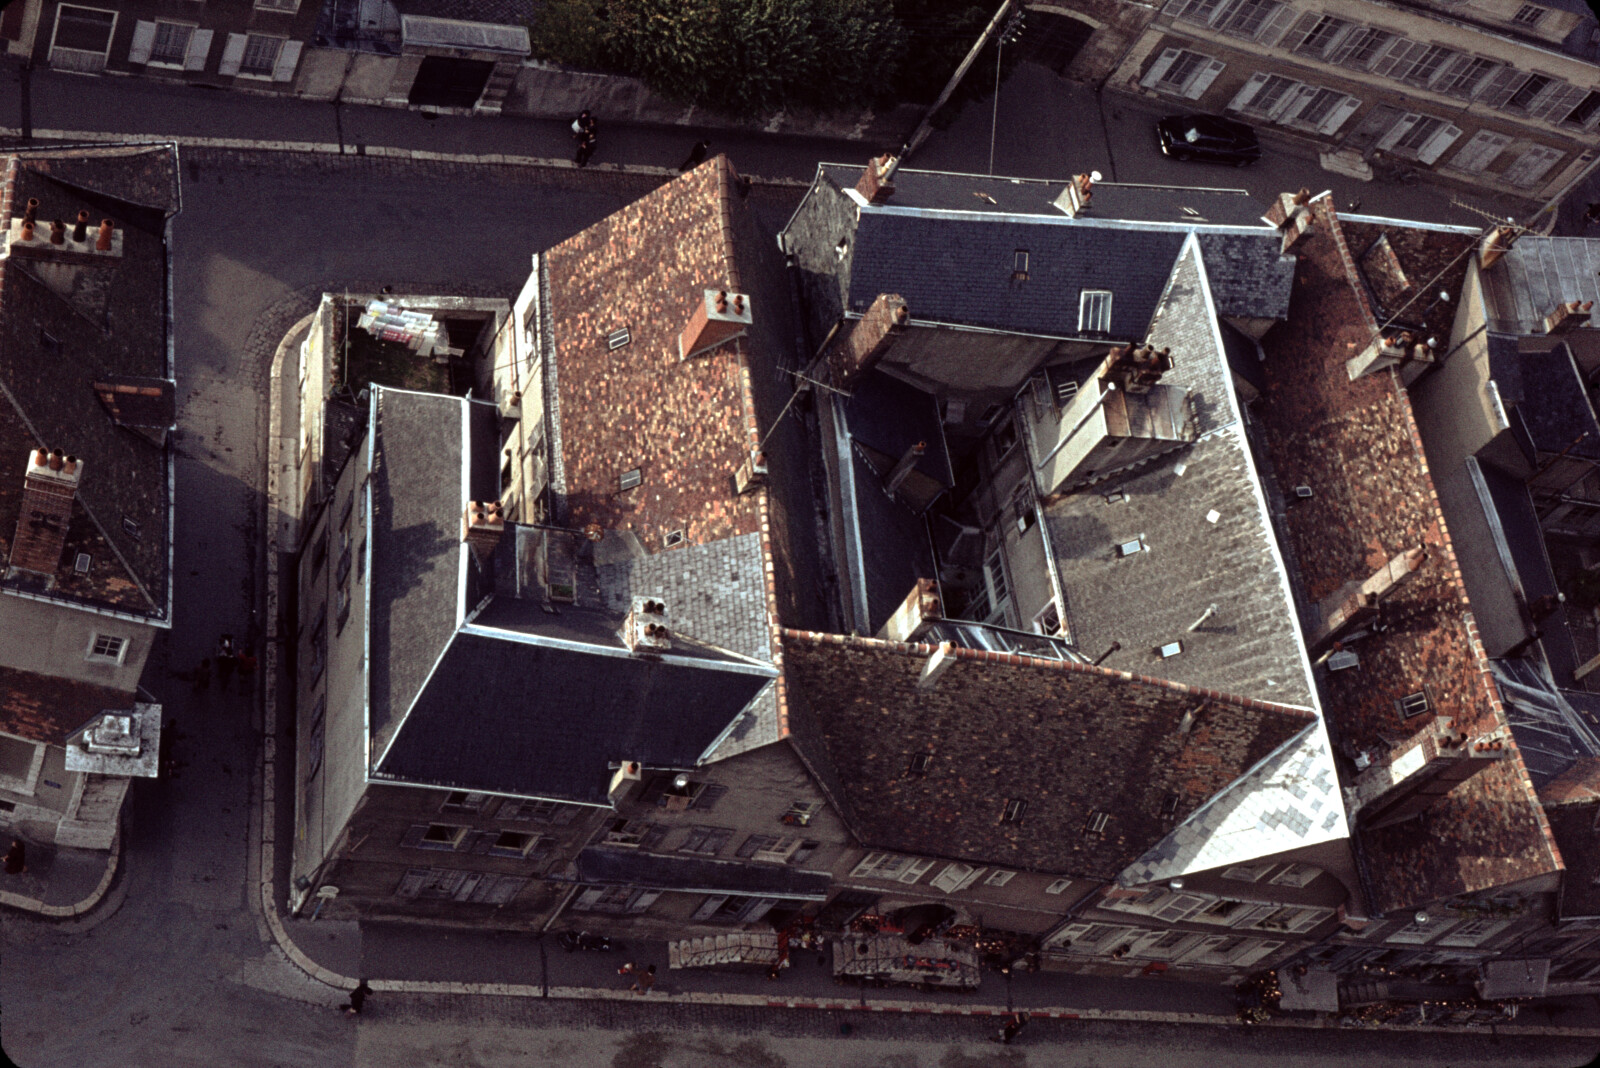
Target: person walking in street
x=358, y=998
x=643, y=981
x=697, y=156
x=16, y=857
x=583, y=126
x=226, y=663
x=202, y=675
x=1015, y=1022
x=247, y=668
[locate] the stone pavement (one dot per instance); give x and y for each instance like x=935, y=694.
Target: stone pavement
x=62, y=882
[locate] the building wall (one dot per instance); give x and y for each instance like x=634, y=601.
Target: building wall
x=55, y=639
x=331, y=686
x=1477, y=125
x=37, y=805
x=518, y=367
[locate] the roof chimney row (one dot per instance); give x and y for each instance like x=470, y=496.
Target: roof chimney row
x=1136, y=370
x=482, y=525
x=645, y=629
x=721, y=316
x=49, y=487
x=860, y=344
x=1568, y=317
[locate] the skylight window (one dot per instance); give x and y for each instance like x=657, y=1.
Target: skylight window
x=631, y=479
x=1128, y=548
x=920, y=762
x=1096, y=823
x=1094, y=311
x=1013, y=811
x=674, y=537
x=1169, y=650
x=1019, y=265
x=618, y=338
x=1414, y=704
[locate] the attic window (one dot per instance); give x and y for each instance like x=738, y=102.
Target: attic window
x=674, y=537
x=1013, y=811
x=920, y=762
x=81, y=565
x=1094, y=311
x=1019, y=265
x=1096, y=823
x=999, y=878
x=1413, y=704
x=631, y=479
x=1169, y=650
x=1128, y=548
x=49, y=342
x=841, y=248
x=130, y=528
x=801, y=812
x=1058, y=887
x=1169, y=806
x=618, y=338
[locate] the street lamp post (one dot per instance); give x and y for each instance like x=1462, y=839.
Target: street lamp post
x=1010, y=33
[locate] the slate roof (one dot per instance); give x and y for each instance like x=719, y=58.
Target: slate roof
x=992, y=195
x=1250, y=279
x=546, y=719
x=1545, y=390
x=626, y=867
x=1537, y=274
x=895, y=550
x=418, y=497
x=46, y=708
x=61, y=332
x=958, y=269
x=1577, y=830
x=1250, y=645
x=1356, y=444
x=1065, y=738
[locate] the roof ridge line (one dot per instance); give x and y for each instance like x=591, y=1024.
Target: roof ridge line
x=910, y=649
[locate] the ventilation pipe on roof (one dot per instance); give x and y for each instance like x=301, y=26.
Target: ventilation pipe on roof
x=80, y=229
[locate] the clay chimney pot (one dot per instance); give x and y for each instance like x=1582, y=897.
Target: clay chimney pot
x=57, y=460
x=27, y=230
x=58, y=233
x=69, y=465
x=102, y=241
x=30, y=214
x=41, y=457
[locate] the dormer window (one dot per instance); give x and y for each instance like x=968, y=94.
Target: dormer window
x=1019, y=265
x=1013, y=812
x=1094, y=311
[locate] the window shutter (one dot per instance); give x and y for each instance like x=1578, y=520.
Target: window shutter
x=916, y=870
x=503, y=889
x=755, y=843
x=1273, y=30
x=1247, y=92
x=1203, y=80
x=1531, y=166
x=866, y=866
x=1339, y=114
x=757, y=909
x=1450, y=70
x=1180, y=907
x=481, y=841
x=1397, y=131
x=233, y=54
x=1479, y=152
x=1399, y=58
x=1558, y=99
x=709, y=907
x=1502, y=86
x=467, y=886
x=1298, y=33
x=1290, y=103
x=411, y=882
x=413, y=836
x=1157, y=69
x=709, y=796
x=199, y=50
x=1434, y=147
x=643, y=902
x=586, y=900
x=288, y=59
x=954, y=876
x=144, y=39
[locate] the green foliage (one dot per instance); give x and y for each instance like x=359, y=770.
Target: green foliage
x=939, y=35
x=571, y=32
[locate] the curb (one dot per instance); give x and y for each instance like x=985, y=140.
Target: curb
x=330, y=148
x=62, y=912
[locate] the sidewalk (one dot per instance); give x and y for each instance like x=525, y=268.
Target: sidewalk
x=61, y=882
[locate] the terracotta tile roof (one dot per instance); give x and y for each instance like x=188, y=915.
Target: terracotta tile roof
x=44, y=708
x=59, y=341
x=685, y=424
x=1066, y=738
x=1356, y=445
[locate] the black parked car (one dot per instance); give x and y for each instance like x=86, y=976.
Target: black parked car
x=1208, y=137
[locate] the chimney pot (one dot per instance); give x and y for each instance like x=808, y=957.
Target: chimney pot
x=27, y=230
x=42, y=457
x=58, y=233
x=30, y=215
x=69, y=465
x=80, y=230
x=57, y=460
x=102, y=241
x=722, y=300
x=738, y=304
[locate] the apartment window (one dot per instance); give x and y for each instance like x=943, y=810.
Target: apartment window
x=1296, y=875
x=891, y=867
x=1420, y=133
x=171, y=43
x=260, y=56
x=999, y=878
x=1315, y=111
x=1094, y=311
x=769, y=848
x=319, y=648
x=1478, y=153
x=1248, y=17
x=1321, y=37
x=1584, y=114
x=1361, y=48
x=1004, y=439
x=1528, y=92
x=1246, y=873
x=706, y=841
x=82, y=38
x=1465, y=78
x=1271, y=93
x=1427, y=65
x=618, y=900
x=995, y=574
x=443, y=836
x=552, y=812
x=1185, y=73
x=107, y=648
x=1528, y=15
x=634, y=834
x=1530, y=167
x=287, y=7
x=464, y=801
x=920, y=762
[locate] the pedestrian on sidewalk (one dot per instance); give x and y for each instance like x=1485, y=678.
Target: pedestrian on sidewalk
x=358, y=998
x=643, y=981
x=697, y=156
x=586, y=146
x=202, y=675
x=1015, y=1022
x=16, y=857
x=583, y=126
x=247, y=668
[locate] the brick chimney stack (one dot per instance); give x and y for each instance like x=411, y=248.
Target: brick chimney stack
x=1495, y=244
x=860, y=344
x=877, y=181
x=721, y=316
x=48, y=490
x=482, y=526
x=1568, y=317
